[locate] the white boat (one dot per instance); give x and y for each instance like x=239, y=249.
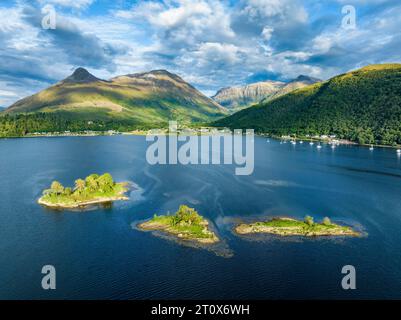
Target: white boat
x=319, y=146
x=293, y=142
x=371, y=148
x=311, y=143
x=333, y=146
x=398, y=150
x=301, y=142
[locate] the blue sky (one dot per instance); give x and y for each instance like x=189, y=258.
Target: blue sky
x=210, y=43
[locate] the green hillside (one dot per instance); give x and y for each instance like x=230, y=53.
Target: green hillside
x=84, y=102
x=362, y=105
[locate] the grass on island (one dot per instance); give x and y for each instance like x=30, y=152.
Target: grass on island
x=186, y=223
x=93, y=188
x=290, y=227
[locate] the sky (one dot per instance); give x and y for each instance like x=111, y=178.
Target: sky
x=211, y=44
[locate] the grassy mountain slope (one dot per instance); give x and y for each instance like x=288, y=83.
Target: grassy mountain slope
x=150, y=98
x=362, y=105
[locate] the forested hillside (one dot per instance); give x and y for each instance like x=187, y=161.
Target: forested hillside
x=363, y=106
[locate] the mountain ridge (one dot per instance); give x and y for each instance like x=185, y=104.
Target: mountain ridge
x=149, y=97
x=240, y=97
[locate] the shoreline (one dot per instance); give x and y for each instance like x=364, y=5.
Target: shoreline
x=80, y=204
x=287, y=227
x=86, y=203
x=342, y=142
x=154, y=226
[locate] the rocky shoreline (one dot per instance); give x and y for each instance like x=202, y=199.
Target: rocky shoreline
x=154, y=226
x=293, y=227
x=185, y=224
x=81, y=204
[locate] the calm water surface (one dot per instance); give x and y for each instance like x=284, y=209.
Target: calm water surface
x=97, y=254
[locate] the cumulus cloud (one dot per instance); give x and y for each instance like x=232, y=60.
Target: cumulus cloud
x=267, y=33
x=210, y=43
x=375, y=40
x=264, y=9
x=79, y=47
x=209, y=38
x=184, y=23
x=212, y=54
x=78, y=4
x=33, y=58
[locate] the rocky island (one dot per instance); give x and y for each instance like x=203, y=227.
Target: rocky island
x=293, y=227
x=93, y=190
x=185, y=224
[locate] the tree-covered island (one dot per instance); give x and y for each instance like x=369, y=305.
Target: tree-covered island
x=94, y=189
x=292, y=227
x=185, y=224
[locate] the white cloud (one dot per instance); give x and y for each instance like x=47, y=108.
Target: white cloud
x=364, y=2
x=267, y=33
x=77, y=4
x=6, y=93
x=209, y=43
x=33, y=58
x=184, y=22
x=376, y=39
x=212, y=53
x=284, y=9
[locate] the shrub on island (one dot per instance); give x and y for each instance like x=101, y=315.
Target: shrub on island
x=93, y=189
x=186, y=224
x=293, y=227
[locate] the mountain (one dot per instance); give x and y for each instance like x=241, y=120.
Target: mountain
x=150, y=99
x=80, y=75
x=363, y=105
x=300, y=82
x=237, y=98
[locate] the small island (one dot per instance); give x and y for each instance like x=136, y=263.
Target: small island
x=93, y=190
x=293, y=227
x=185, y=224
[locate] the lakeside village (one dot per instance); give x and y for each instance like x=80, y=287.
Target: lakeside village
x=332, y=140
x=189, y=131
x=164, y=131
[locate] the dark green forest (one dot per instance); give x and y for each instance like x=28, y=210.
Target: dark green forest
x=363, y=106
x=25, y=124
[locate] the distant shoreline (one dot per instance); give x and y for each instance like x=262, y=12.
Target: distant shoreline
x=144, y=133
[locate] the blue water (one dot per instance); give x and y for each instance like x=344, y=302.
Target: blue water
x=97, y=254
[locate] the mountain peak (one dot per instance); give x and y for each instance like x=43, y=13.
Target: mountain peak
x=160, y=71
x=81, y=75
x=304, y=78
